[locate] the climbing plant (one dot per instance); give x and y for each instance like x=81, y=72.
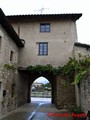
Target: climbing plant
x=43, y=68
x=9, y=67
x=81, y=69
x=73, y=71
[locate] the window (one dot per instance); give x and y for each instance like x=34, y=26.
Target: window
x=0, y=42
x=11, y=56
x=43, y=48
x=4, y=93
x=13, y=90
x=45, y=27
x=0, y=85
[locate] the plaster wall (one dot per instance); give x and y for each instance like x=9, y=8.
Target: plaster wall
x=60, y=40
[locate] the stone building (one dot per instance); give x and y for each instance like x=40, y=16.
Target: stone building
x=36, y=40
x=9, y=53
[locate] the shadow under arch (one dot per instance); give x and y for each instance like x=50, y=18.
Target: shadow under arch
x=39, y=92
x=50, y=77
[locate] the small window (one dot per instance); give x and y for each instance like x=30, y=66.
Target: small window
x=4, y=93
x=11, y=56
x=13, y=90
x=45, y=27
x=0, y=85
x=43, y=48
x=0, y=42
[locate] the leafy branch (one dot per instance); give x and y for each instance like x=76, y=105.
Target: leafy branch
x=74, y=71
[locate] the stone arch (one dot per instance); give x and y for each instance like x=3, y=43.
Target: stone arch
x=61, y=95
x=40, y=80
x=51, y=79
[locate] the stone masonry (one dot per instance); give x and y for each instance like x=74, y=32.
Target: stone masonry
x=84, y=93
x=8, y=78
x=9, y=52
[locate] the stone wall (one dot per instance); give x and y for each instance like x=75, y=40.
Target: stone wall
x=8, y=76
x=65, y=93
x=81, y=51
x=84, y=93
x=7, y=45
x=9, y=96
x=83, y=90
x=22, y=88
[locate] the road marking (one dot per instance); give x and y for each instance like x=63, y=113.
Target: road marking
x=34, y=112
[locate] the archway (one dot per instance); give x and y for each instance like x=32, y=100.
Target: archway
x=26, y=79
x=51, y=78
x=60, y=94
x=41, y=90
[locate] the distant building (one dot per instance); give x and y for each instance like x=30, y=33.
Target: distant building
x=37, y=84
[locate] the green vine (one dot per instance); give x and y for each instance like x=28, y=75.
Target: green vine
x=41, y=68
x=74, y=71
x=9, y=67
x=81, y=69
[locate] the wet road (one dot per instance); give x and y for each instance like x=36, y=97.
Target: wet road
x=37, y=110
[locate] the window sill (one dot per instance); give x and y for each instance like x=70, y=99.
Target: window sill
x=42, y=55
x=44, y=31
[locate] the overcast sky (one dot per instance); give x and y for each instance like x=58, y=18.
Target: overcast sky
x=13, y=7
x=41, y=80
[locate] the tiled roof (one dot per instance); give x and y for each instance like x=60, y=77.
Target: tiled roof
x=35, y=17
x=46, y=14
x=81, y=45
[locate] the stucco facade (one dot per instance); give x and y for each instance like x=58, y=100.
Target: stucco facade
x=60, y=40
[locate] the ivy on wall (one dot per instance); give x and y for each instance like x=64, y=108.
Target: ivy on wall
x=9, y=67
x=41, y=69
x=74, y=71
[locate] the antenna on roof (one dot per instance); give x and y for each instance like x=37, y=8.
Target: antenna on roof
x=41, y=10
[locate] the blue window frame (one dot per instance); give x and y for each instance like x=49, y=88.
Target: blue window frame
x=45, y=27
x=43, y=48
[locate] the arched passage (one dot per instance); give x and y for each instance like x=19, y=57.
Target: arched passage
x=41, y=90
x=49, y=77
x=61, y=95
x=26, y=80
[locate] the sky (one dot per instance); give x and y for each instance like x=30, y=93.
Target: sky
x=41, y=80
x=16, y=7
